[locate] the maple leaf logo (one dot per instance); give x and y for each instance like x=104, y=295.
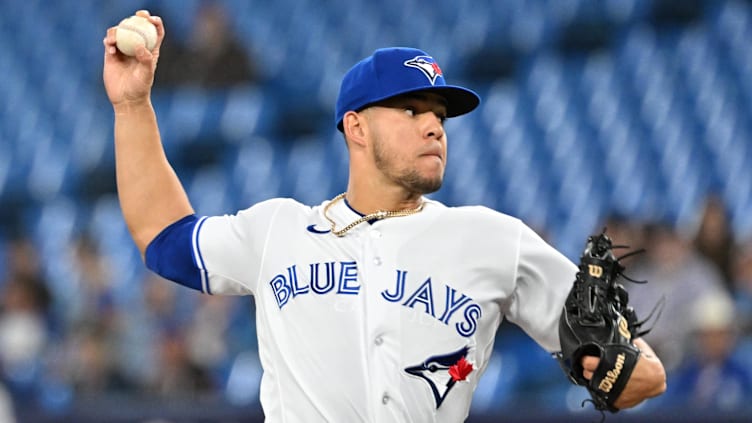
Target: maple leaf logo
x=460, y=370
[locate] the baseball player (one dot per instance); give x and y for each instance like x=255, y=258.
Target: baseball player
x=379, y=305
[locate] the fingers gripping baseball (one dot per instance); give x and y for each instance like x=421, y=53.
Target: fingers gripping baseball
x=128, y=78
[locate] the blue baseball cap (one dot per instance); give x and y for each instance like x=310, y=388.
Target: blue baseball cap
x=393, y=71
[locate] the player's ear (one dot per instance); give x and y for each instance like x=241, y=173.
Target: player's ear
x=354, y=126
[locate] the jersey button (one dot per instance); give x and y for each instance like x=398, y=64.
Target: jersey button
x=385, y=399
x=379, y=340
x=377, y=261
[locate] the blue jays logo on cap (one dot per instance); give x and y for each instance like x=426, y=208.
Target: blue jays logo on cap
x=427, y=65
x=390, y=72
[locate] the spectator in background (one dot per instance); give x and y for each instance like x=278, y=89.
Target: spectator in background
x=212, y=56
x=7, y=414
x=24, y=334
x=141, y=333
x=172, y=347
x=207, y=341
x=714, y=238
x=178, y=375
x=94, y=300
x=92, y=366
x=625, y=232
x=711, y=379
x=676, y=271
x=742, y=284
x=23, y=259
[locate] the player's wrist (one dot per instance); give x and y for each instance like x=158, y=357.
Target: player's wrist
x=131, y=106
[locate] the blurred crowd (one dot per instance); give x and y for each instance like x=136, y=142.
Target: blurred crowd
x=697, y=301
x=55, y=350
x=210, y=56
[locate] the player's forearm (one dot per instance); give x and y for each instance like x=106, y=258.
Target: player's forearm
x=150, y=193
x=648, y=378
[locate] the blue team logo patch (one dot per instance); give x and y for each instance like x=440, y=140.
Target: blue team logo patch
x=427, y=65
x=442, y=372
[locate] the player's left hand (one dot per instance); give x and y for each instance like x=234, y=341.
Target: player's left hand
x=642, y=382
x=597, y=331
x=589, y=364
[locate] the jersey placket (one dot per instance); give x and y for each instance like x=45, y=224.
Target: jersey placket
x=381, y=333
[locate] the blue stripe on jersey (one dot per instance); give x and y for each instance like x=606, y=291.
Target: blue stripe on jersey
x=170, y=254
x=199, y=258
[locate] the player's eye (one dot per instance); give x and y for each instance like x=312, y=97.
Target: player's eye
x=410, y=111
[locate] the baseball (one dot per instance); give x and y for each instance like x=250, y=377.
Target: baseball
x=133, y=32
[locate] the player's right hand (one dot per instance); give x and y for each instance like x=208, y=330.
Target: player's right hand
x=128, y=80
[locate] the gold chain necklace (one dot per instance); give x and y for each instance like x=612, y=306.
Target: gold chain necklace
x=381, y=214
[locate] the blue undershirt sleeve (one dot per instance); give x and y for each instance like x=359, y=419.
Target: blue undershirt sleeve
x=170, y=254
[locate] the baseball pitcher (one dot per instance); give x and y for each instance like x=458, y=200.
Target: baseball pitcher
x=378, y=305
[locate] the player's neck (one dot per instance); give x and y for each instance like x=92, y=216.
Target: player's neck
x=370, y=200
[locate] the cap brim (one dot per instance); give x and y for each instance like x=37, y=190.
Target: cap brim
x=459, y=100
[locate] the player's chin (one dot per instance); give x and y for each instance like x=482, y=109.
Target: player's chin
x=432, y=167
x=428, y=184
x=423, y=179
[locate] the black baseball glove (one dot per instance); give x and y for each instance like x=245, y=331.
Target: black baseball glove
x=598, y=321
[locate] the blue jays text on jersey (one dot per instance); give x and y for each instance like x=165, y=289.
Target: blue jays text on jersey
x=341, y=278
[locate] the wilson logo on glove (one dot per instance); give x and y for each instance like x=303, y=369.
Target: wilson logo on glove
x=624, y=328
x=595, y=271
x=612, y=375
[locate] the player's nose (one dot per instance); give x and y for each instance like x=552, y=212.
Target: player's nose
x=433, y=126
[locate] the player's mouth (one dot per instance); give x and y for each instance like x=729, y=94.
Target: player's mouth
x=435, y=153
x=433, y=159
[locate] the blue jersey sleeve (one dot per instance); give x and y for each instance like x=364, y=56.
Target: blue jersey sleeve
x=171, y=254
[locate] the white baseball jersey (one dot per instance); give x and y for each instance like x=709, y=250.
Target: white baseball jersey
x=395, y=321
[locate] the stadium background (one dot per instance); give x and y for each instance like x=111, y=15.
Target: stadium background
x=591, y=108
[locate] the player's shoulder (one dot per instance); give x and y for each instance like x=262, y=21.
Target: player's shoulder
x=478, y=223
x=280, y=206
x=475, y=214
